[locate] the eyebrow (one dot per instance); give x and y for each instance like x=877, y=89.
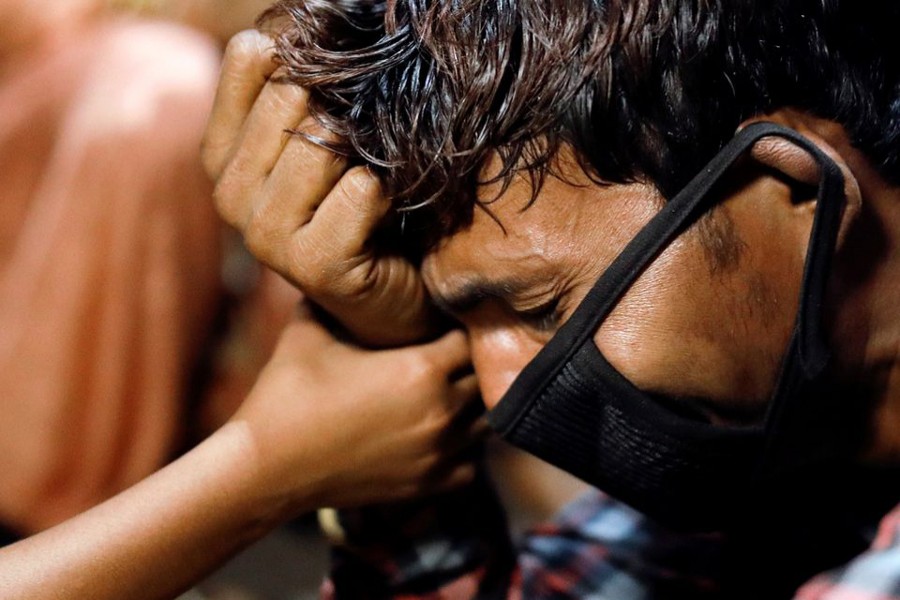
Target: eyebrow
x=470, y=294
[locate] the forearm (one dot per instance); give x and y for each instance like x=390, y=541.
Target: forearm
x=156, y=539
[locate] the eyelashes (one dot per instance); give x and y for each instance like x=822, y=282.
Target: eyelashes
x=546, y=317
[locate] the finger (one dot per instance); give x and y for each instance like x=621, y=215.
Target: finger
x=458, y=477
x=466, y=387
x=450, y=352
x=246, y=67
x=356, y=200
x=465, y=398
x=480, y=429
x=279, y=109
x=240, y=196
x=348, y=215
x=302, y=178
x=468, y=429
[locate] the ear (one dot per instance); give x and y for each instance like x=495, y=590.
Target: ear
x=795, y=163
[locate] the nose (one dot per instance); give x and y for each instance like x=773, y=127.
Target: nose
x=498, y=356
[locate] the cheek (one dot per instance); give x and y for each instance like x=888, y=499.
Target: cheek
x=499, y=355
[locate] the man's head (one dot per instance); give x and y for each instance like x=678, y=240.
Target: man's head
x=459, y=105
x=642, y=90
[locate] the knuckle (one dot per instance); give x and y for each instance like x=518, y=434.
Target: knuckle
x=457, y=341
x=463, y=475
x=313, y=279
x=262, y=237
x=257, y=240
x=424, y=370
x=308, y=266
x=324, y=269
x=355, y=279
x=410, y=490
x=436, y=422
x=428, y=464
x=225, y=200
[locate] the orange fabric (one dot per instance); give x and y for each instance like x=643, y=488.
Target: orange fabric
x=108, y=260
x=253, y=327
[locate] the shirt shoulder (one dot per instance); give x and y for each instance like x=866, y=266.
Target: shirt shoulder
x=873, y=575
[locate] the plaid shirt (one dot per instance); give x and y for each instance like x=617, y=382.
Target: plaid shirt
x=456, y=547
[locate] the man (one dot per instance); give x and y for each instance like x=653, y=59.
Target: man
x=723, y=358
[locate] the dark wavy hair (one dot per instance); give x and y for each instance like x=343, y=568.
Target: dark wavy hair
x=424, y=91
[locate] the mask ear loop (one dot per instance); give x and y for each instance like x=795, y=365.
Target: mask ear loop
x=800, y=431
x=673, y=219
x=813, y=345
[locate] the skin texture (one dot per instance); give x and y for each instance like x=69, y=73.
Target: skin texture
x=692, y=307
x=514, y=276
x=287, y=199
x=284, y=453
x=688, y=308
x=327, y=424
x=320, y=239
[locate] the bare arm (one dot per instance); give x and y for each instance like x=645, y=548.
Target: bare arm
x=153, y=540
x=326, y=424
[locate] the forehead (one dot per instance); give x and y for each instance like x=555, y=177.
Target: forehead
x=572, y=226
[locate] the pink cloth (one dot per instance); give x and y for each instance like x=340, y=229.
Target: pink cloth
x=108, y=260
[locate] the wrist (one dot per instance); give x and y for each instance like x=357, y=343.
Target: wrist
x=245, y=477
x=273, y=493
x=398, y=331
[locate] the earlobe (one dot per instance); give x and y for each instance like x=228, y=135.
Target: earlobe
x=795, y=163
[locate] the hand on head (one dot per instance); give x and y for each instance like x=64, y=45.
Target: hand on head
x=302, y=210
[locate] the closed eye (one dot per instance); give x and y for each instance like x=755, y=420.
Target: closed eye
x=544, y=318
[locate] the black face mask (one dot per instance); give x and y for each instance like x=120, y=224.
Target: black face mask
x=570, y=407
